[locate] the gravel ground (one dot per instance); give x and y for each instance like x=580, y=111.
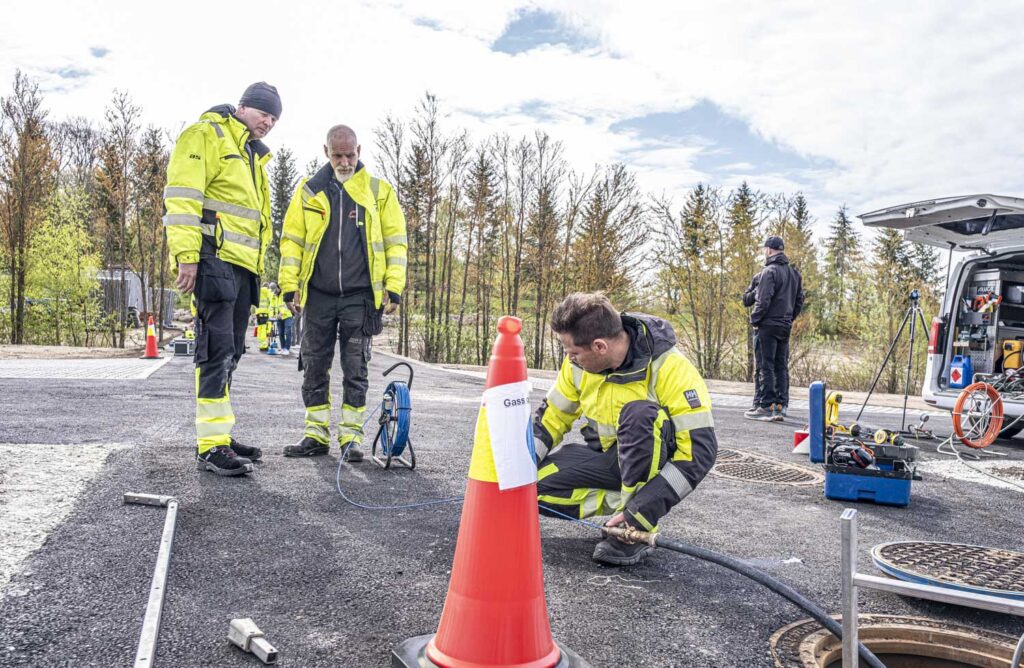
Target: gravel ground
x=332, y=585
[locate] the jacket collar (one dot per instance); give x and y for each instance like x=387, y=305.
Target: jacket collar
x=319, y=181
x=224, y=115
x=638, y=357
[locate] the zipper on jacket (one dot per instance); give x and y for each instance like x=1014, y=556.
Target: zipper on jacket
x=341, y=221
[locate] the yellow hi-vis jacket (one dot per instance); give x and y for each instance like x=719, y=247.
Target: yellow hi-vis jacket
x=278, y=308
x=215, y=192
x=306, y=221
x=266, y=301
x=656, y=372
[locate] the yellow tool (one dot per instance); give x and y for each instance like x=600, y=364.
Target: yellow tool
x=832, y=412
x=1011, y=353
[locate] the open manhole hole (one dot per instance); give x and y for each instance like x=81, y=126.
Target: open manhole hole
x=766, y=471
x=974, y=568
x=899, y=642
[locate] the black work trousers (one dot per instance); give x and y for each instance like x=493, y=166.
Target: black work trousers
x=758, y=382
x=773, y=348
x=328, y=320
x=224, y=294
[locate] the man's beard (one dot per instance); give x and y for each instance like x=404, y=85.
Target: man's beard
x=343, y=176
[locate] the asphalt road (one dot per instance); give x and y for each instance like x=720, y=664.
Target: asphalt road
x=334, y=585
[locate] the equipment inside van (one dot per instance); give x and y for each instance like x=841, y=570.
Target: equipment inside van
x=982, y=312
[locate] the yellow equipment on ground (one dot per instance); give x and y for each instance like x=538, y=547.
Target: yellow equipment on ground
x=832, y=413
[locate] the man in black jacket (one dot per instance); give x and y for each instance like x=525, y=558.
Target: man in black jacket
x=777, y=302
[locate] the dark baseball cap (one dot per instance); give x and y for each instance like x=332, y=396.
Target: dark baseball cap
x=775, y=243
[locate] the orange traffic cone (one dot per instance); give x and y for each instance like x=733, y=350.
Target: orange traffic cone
x=495, y=613
x=151, y=351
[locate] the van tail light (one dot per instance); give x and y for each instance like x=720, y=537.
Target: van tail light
x=934, y=336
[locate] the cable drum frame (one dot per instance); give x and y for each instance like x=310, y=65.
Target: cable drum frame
x=395, y=421
x=978, y=411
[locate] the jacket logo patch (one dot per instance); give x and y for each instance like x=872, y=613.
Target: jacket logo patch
x=692, y=398
x=193, y=156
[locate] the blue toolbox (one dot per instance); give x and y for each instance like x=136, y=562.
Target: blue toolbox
x=879, y=472
x=845, y=483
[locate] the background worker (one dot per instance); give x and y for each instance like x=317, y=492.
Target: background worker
x=218, y=226
x=284, y=317
x=355, y=270
x=749, y=297
x=263, y=317
x=777, y=302
x=650, y=438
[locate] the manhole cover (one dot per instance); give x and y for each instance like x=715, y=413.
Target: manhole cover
x=983, y=570
x=727, y=455
x=1015, y=472
x=765, y=471
x=897, y=641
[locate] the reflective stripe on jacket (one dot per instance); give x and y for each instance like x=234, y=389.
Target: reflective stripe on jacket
x=306, y=221
x=217, y=191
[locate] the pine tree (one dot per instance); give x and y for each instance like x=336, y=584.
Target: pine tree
x=843, y=257
x=284, y=175
x=803, y=255
x=693, y=277
x=742, y=261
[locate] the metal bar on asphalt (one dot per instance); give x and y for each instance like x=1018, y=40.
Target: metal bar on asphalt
x=151, y=622
x=147, y=499
x=941, y=594
x=848, y=524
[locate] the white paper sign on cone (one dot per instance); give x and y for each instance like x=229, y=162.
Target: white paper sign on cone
x=511, y=430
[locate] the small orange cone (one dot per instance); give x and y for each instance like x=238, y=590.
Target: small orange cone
x=495, y=613
x=151, y=351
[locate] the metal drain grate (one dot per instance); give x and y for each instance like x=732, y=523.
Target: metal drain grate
x=767, y=472
x=727, y=455
x=985, y=570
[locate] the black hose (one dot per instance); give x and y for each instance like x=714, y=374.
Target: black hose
x=776, y=586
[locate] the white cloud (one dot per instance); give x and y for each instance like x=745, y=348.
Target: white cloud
x=904, y=101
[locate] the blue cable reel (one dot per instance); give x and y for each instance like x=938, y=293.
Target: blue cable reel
x=395, y=420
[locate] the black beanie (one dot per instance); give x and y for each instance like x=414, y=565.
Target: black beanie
x=262, y=96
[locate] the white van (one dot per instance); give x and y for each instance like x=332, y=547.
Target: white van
x=991, y=229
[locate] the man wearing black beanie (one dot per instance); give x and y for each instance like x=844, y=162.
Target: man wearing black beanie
x=218, y=228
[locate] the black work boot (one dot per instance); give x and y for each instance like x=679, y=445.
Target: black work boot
x=614, y=552
x=307, y=447
x=249, y=452
x=222, y=460
x=353, y=454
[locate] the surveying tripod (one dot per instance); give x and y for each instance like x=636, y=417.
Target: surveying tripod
x=913, y=315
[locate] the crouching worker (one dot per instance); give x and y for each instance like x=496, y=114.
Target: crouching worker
x=649, y=437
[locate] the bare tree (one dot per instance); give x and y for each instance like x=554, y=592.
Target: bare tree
x=118, y=149
x=544, y=232
x=149, y=176
x=27, y=179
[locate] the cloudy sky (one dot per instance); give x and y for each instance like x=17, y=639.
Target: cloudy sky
x=868, y=103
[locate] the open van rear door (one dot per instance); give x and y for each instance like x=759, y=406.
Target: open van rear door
x=975, y=222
